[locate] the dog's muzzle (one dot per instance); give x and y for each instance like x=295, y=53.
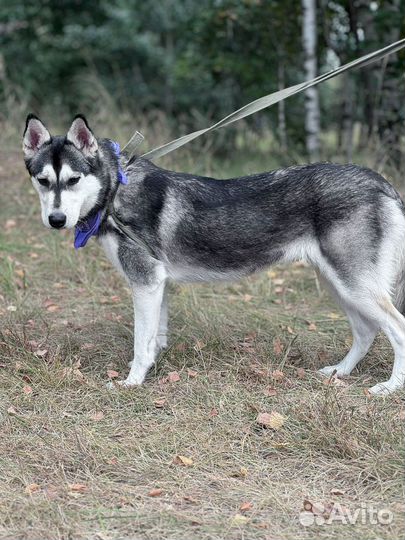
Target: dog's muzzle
x=57, y=220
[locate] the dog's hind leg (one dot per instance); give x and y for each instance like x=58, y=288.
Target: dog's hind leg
x=372, y=315
x=364, y=332
x=393, y=325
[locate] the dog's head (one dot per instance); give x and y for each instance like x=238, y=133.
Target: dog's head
x=72, y=173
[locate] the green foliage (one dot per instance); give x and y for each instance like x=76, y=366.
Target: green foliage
x=195, y=61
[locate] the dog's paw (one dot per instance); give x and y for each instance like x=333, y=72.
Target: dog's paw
x=161, y=342
x=383, y=389
x=337, y=370
x=117, y=385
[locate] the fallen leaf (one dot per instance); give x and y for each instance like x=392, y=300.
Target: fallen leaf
x=190, y=499
x=78, y=488
x=334, y=381
x=213, y=412
x=41, y=352
x=238, y=519
x=301, y=373
x=191, y=373
x=278, y=347
x=159, y=403
x=97, y=416
x=245, y=506
x=273, y=420
x=199, y=345
x=173, y=377
x=32, y=488
x=337, y=491
x=52, y=308
x=333, y=315
x=87, y=347
x=270, y=391
x=10, y=223
x=111, y=374
x=243, y=472
x=277, y=375
x=155, y=492
x=183, y=460
x=74, y=371
x=27, y=389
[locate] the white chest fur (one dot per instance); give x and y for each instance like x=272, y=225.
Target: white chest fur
x=110, y=246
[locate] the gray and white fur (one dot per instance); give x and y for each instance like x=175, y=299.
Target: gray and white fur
x=345, y=220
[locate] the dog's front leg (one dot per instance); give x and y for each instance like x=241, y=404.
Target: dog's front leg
x=147, y=307
x=161, y=340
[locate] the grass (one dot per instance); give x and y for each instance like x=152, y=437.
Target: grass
x=79, y=461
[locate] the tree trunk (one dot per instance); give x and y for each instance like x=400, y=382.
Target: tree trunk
x=390, y=127
x=282, y=126
x=312, y=115
x=347, y=120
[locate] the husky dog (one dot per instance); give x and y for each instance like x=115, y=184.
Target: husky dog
x=347, y=221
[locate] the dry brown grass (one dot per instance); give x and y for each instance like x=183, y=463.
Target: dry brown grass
x=79, y=461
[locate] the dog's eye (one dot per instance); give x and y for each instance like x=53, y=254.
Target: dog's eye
x=43, y=181
x=72, y=181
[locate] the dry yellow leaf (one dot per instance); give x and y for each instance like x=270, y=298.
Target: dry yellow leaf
x=238, y=519
x=183, y=460
x=272, y=420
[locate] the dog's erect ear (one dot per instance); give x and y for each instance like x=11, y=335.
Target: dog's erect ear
x=35, y=135
x=82, y=137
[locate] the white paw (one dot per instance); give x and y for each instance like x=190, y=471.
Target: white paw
x=116, y=385
x=329, y=370
x=383, y=389
x=161, y=342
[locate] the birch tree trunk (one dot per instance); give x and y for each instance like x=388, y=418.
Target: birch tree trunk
x=282, y=125
x=312, y=115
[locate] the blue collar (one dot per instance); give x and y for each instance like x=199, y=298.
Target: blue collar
x=91, y=226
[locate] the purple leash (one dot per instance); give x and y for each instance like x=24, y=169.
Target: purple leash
x=91, y=226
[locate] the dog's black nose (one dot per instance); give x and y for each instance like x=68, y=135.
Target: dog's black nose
x=57, y=220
